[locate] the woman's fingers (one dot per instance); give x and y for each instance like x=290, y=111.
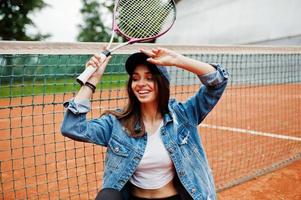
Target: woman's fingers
x=92, y=63
x=148, y=53
x=95, y=61
x=106, y=61
x=103, y=65
x=96, y=56
x=154, y=61
x=156, y=52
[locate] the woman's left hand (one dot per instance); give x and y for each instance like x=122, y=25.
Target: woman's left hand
x=162, y=56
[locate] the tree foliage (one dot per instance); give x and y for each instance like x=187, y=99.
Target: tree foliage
x=15, y=20
x=94, y=27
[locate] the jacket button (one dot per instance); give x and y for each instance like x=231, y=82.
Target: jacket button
x=170, y=150
x=116, y=149
x=181, y=173
x=225, y=73
x=193, y=190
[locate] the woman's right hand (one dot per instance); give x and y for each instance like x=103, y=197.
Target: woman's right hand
x=100, y=65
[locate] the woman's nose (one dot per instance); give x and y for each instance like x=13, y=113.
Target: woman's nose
x=141, y=82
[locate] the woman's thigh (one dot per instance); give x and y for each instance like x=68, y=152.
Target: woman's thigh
x=109, y=194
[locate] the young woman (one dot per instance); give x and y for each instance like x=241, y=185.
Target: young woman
x=153, y=145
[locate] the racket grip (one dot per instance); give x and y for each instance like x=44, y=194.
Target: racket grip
x=86, y=74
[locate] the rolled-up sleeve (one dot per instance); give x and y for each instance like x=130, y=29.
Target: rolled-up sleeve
x=199, y=105
x=76, y=126
x=216, y=77
x=82, y=106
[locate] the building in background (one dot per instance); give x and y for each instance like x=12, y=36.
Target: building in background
x=275, y=22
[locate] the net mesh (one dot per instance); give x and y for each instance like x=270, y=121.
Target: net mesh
x=144, y=19
x=254, y=129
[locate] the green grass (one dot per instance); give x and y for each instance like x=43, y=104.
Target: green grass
x=50, y=85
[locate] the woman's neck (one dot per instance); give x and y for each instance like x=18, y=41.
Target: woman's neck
x=150, y=113
x=151, y=118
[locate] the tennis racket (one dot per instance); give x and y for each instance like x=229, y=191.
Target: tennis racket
x=136, y=21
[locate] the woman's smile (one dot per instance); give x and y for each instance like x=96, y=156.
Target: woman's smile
x=143, y=84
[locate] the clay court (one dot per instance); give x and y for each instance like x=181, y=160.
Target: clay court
x=252, y=134
x=284, y=183
x=252, y=131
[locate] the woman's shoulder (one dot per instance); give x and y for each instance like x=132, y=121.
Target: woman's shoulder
x=172, y=101
x=108, y=117
x=175, y=106
x=112, y=114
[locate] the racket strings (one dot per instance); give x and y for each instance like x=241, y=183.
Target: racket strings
x=131, y=25
x=143, y=19
x=157, y=23
x=156, y=26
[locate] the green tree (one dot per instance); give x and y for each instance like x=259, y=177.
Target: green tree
x=14, y=19
x=95, y=16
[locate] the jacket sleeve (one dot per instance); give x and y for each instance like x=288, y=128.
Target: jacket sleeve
x=198, y=106
x=77, y=127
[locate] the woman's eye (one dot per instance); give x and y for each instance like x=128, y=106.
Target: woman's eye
x=150, y=78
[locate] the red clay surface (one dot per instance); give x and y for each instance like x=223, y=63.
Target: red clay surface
x=38, y=163
x=282, y=184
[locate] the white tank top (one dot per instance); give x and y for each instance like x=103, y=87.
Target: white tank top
x=155, y=169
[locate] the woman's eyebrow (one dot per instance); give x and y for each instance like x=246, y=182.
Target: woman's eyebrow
x=148, y=72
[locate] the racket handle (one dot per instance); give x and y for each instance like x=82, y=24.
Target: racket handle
x=86, y=74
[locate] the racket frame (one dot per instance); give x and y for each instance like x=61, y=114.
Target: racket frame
x=84, y=76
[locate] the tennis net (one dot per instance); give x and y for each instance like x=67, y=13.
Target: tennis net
x=254, y=129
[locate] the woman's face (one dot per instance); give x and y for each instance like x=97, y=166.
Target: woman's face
x=143, y=85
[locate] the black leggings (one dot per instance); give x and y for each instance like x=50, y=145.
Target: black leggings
x=175, y=197
x=111, y=194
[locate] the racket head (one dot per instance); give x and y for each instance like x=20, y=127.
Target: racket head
x=141, y=21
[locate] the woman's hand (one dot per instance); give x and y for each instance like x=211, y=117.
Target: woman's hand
x=162, y=56
x=100, y=65
x=166, y=57
x=96, y=62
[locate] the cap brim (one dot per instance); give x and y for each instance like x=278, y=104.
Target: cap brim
x=141, y=59
x=137, y=59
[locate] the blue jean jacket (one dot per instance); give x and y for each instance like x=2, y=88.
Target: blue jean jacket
x=179, y=134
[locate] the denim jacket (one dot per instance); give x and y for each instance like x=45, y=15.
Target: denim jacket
x=179, y=134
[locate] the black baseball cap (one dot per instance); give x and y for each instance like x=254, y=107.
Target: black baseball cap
x=141, y=58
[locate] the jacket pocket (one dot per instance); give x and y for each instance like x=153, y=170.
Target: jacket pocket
x=183, y=137
x=184, y=143
x=188, y=146
x=117, y=151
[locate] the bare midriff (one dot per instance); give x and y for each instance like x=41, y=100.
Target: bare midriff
x=163, y=192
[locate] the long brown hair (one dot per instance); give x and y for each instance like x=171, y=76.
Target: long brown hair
x=130, y=116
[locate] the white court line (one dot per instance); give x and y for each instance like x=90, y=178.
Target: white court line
x=285, y=137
